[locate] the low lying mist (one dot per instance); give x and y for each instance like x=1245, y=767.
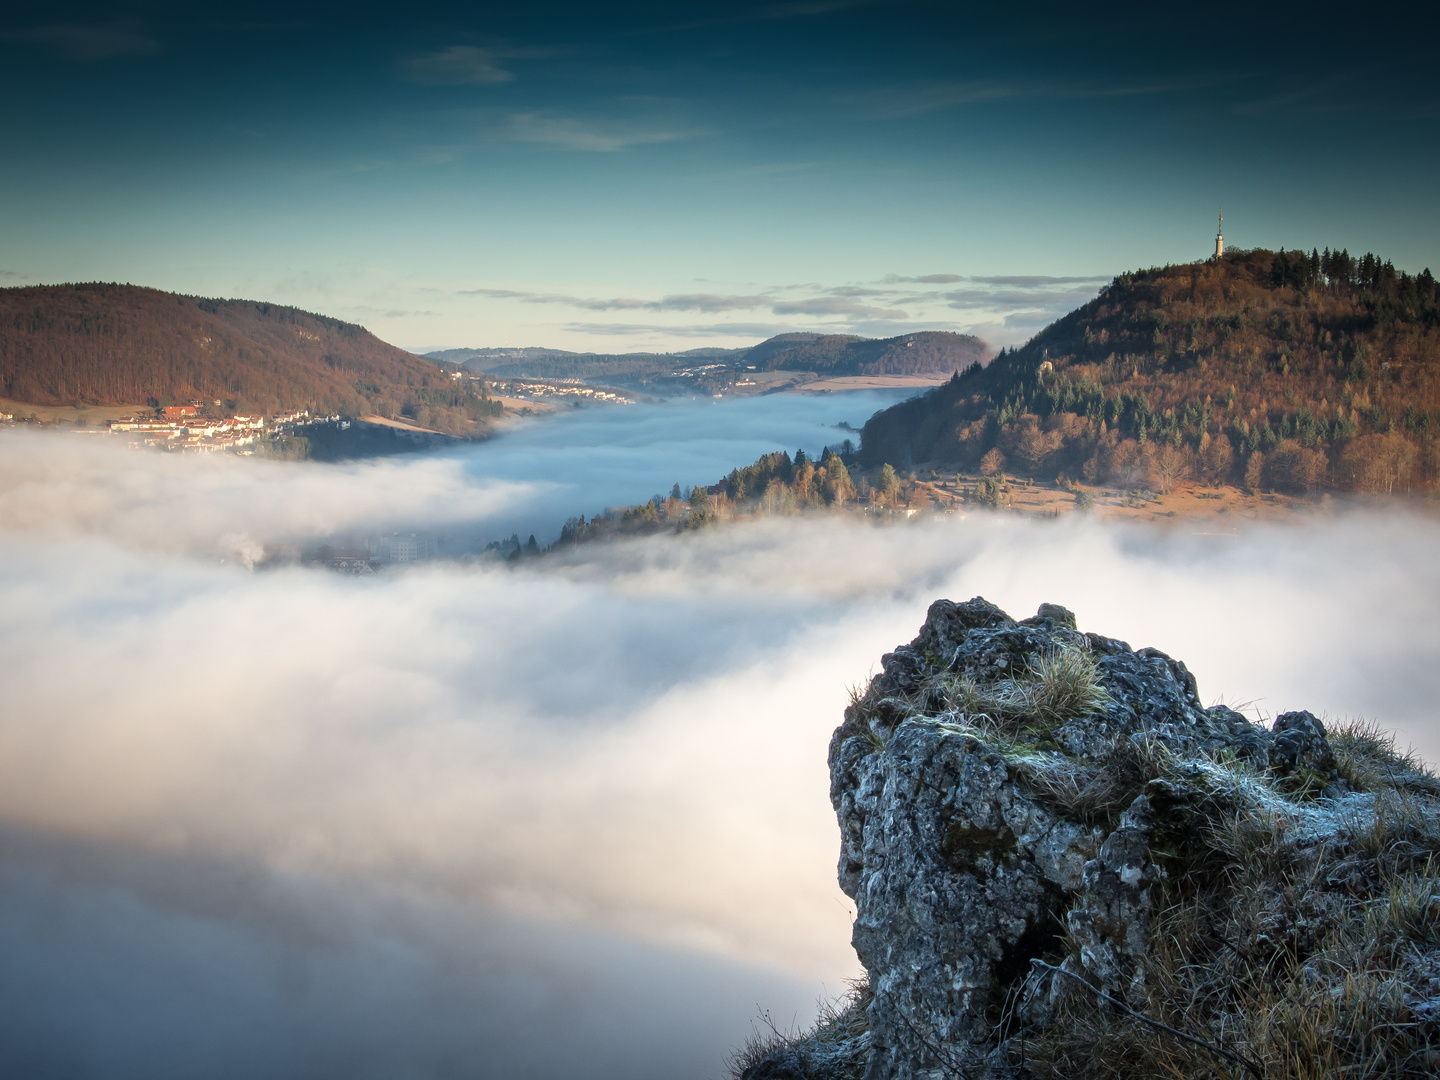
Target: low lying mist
x=529, y=480
x=568, y=819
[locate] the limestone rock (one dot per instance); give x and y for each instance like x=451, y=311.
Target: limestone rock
x=1053, y=846
x=974, y=836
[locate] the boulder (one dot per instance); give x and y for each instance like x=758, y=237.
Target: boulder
x=1019, y=802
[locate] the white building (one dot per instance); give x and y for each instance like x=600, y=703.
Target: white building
x=404, y=547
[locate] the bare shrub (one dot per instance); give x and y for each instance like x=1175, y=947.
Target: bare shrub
x=1255, y=471
x=1028, y=445
x=1378, y=464
x=1217, y=459
x=1124, y=465
x=1168, y=466
x=1291, y=467
x=993, y=462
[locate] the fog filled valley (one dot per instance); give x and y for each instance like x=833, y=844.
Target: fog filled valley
x=564, y=818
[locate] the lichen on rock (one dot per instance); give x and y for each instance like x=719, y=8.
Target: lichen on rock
x=1063, y=864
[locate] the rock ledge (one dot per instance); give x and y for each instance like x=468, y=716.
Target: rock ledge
x=1018, y=791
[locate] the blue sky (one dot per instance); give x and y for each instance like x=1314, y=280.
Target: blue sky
x=658, y=176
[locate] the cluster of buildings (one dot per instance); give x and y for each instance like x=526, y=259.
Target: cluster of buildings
x=701, y=369
x=401, y=547
x=529, y=389
x=384, y=550
x=181, y=427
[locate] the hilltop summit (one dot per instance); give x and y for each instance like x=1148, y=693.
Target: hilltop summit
x=1285, y=370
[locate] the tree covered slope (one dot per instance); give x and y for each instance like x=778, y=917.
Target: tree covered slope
x=1275, y=370
x=102, y=344
x=836, y=354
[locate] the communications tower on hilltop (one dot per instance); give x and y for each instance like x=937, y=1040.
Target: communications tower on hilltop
x=1220, y=236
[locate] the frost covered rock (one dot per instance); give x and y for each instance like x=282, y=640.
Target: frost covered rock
x=991, y=793
x=1064, y=865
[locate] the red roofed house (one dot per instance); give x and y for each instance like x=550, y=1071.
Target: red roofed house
x=179, y=412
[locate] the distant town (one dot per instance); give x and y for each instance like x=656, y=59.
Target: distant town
x=200, y=427
x=181, y=427
x=194, y=428
x=551, y=389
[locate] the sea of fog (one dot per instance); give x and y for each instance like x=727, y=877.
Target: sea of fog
x=579, y=461
x=570, y=819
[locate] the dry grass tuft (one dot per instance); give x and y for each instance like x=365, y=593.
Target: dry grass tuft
x=1063, y=684
x=1305, y=940
x=1082, y=791
x=1058, y=686
x=1369, y=761
x=836, y=1047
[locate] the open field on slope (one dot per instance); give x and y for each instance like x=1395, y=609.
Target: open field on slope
x=870, y=382
x=1219, y=510
x=70, y=414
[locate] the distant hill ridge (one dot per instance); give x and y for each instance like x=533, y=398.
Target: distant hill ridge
x=107, y=344
x=924, y=353
x=1271, y=370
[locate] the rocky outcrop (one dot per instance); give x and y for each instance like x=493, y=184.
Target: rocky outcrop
x=1021, y=804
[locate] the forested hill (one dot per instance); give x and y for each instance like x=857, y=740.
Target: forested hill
x=102, y=344
x=835, y=354
x=924, y=353
x=1284, y=371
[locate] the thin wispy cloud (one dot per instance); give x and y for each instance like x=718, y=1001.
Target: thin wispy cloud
x=1035, y=279
x=370, y=311
x=88, y=41
x=616, y=303
x=1322, y=96
x=992, y=279
x=804, y=9
x=502, y=294
x=1003, y=303
x=910, y=100
x=710, y=302
x=924, y=279
x=706, y=302
x=900, y=102
x=799, y=9
x=833, y=305
x=751, y=330
x=571, y=133
x=858, y=290
x=469, y=65
x=1064, y=300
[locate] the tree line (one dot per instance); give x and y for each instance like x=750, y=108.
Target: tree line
x=776, y=483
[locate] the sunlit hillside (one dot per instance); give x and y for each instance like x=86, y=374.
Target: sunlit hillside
x=99, y=344
x=1283, y=370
